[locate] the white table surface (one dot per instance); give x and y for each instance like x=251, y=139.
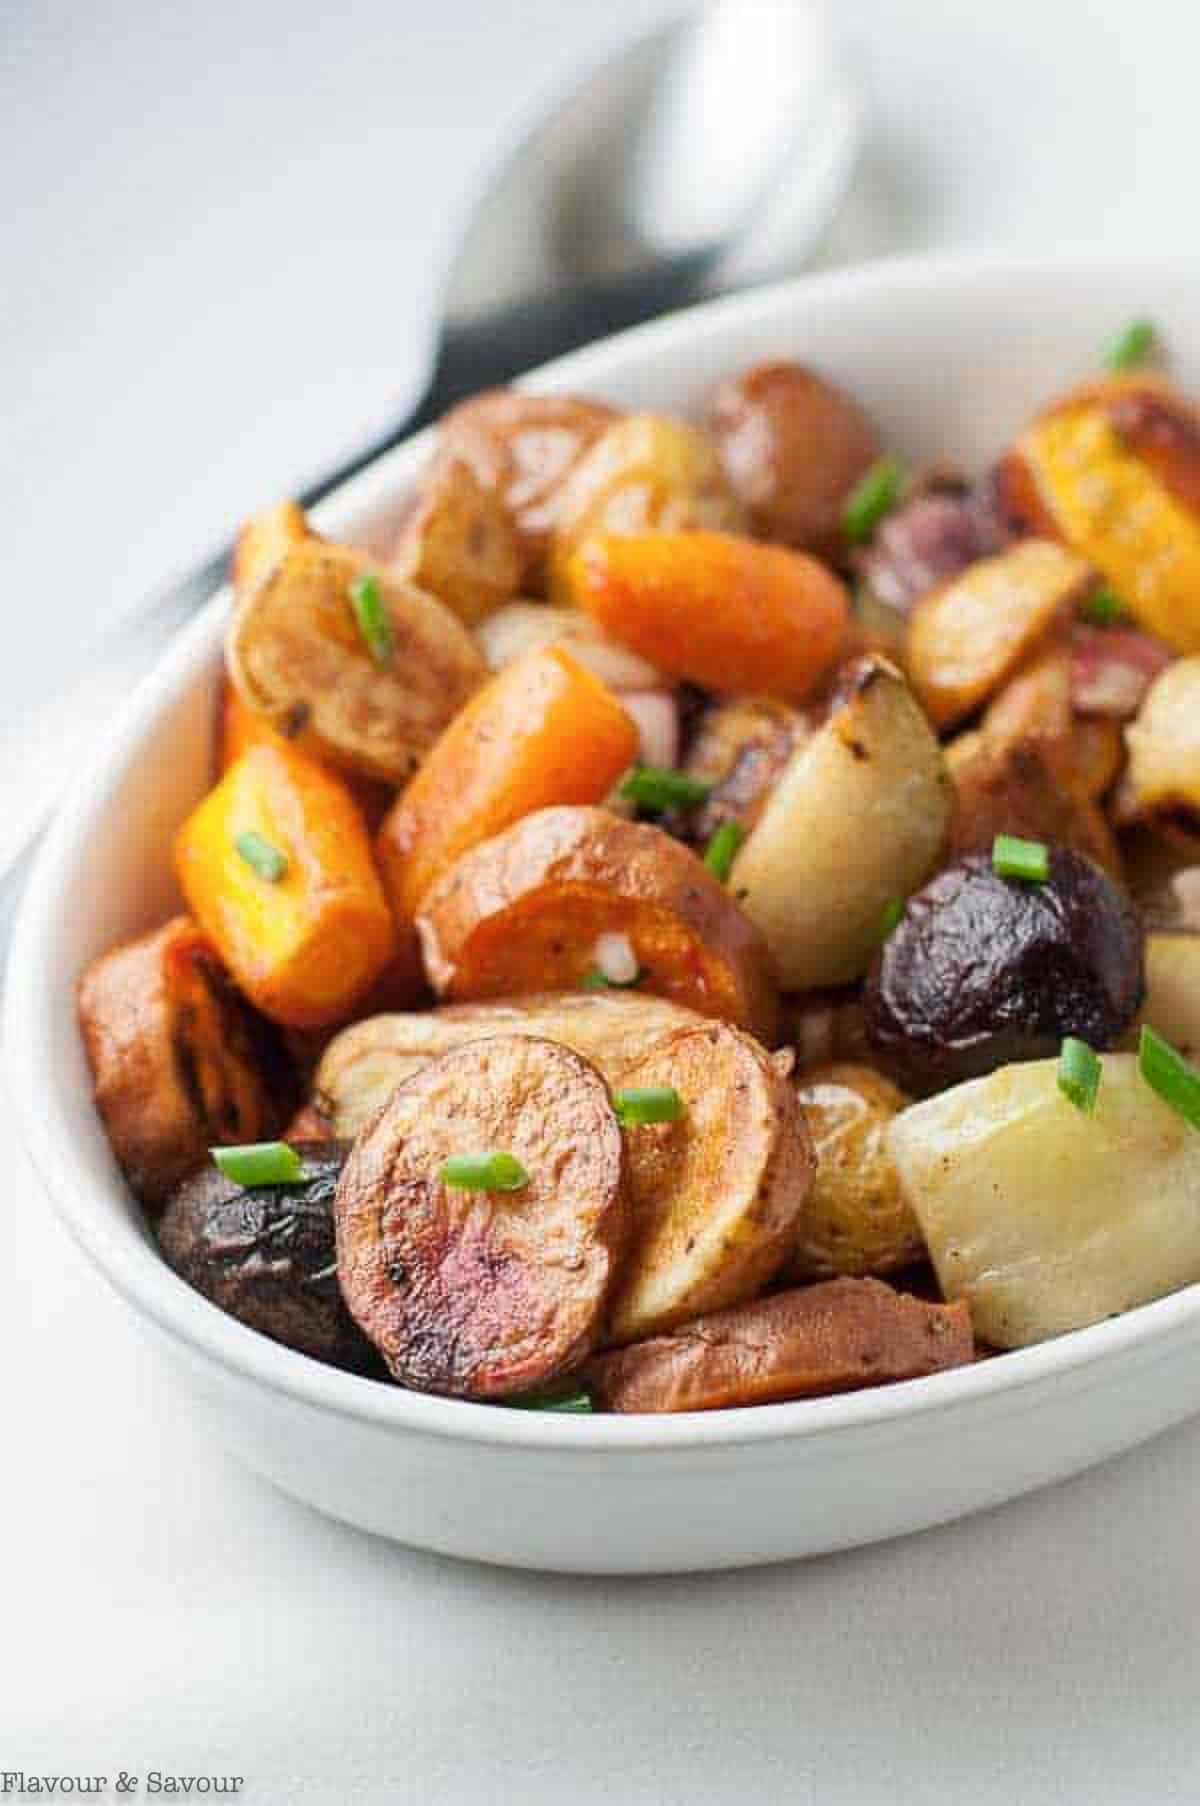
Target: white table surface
x=221, y=227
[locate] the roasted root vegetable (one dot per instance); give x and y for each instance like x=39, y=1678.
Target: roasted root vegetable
x=522, y=448
x=460, y=544
x=1172, y=1002
x=1044, y=1218
x=737, y=751
x=526, y=909
x=857, y=818
x=1024, y=786
x=725, y=612
x=1114, y=470
x=484, y=1292
x=178, y=1059
x=982, y=969
x=856, y=1220
x=645, y=473
x=543, y=731
x=264, y=539
x=717, y=1193
x=304, y=925
x=523, y=627
x=793, y=445
x=363, y=1065
x=267, y=1255
x=968, y=636
x=368, y=695
x=1162, y=781
x=835, y=1337
x=929, y=538
x=242, y=727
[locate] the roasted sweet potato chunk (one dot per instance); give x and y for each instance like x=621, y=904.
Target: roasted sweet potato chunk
x=833, y=1337
x=524, y=911
x=179, y=1061
x=485, y=1293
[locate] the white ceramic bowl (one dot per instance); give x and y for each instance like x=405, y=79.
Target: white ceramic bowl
x=950, y=356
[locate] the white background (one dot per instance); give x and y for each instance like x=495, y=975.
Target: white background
x=222, y=227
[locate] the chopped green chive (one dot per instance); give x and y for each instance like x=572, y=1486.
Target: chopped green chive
x=655, y=787
x=647, y=1103
x=260, y=1163
x=1131, y=346
x=1168, y=1073
x=580, y=1401
x=1079, y=1074
x=1014, y=858
x=596, y=980
x=374, y=620
x=484, y=1172
x=874, y=495
x=725, y=841
x=267, y=860
x=1104, y=606
x=893, y=909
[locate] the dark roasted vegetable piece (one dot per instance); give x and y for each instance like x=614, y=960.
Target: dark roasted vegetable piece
x=267, y=1255
x=833, y=1337
x=928, y=539
x=983, y=970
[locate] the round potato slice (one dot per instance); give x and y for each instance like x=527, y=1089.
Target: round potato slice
x=484, y=1293
x=856, y=1220
x=460, y=544
x=717, y=1194
x=362, y=1066
x=297, y=656
x=524, y=911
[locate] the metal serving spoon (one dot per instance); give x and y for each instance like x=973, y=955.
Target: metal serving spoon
x=708, y=153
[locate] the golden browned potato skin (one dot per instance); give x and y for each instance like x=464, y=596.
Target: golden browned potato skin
x=739, y=748
x=460, y=544
x=482, y=1294
x=179, y=1061
x=1017, y=787
x=793, y=446
x=523, y=911
x=834, y=1337
x=855, y=1220
x=522, y=448
x=718, y=1194
x=263, y=539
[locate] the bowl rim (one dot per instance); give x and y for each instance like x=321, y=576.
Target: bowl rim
x=125, y=1252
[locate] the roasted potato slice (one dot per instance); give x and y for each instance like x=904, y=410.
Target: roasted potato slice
x=262, y=541
x=297, y=656
x=966, y=637
x=1113, y=469
x=363, y=1065
x=1044, y=1218
x=857, y=817
x=178, y=1059
x=717, y=1195
x=460, y=544
x=1019, y=787
x=793, y=445
x=826, y=1338
x=524, y=911
x=646, y=471
x=856, y=1220
x=485, y=1293
x=739, y=749
x=1162, y=781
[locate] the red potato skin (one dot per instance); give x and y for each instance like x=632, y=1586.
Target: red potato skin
x=834, y=1337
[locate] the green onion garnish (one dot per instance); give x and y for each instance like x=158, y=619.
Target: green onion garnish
x=1079, y=1074
x=1104, y=606
x=374, y=620
x=725, y=841
x=267, y=860
x=874, y=495
x=596, y=980
x=647, y=1103
x=1131, y=346
x=260, y=1163
x=545, y=1401
x=655, y=787
x=893, y=909
x=1168, y=1073
x=484, y=1172
x=1014, y=858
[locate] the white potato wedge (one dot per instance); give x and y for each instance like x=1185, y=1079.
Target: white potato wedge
x=1043, y=1218
x=719, y=1193
x=857, y=817
x=362, y=1066
x=297, y=656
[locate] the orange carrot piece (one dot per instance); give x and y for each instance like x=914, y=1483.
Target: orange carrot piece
x=543, y=731
x=307, y=944
x=729, y=613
